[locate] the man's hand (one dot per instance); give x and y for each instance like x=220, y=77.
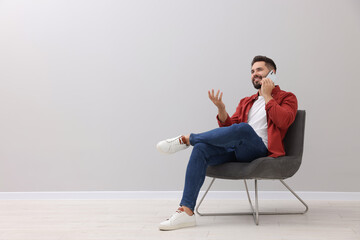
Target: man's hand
x=217, y=100
x=266, y=89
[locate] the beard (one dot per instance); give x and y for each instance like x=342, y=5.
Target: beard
x=257, y=85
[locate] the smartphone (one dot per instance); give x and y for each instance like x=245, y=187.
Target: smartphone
x=271, y=75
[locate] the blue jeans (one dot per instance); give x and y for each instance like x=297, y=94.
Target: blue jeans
x=238, y=142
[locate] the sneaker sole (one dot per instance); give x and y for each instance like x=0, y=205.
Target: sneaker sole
x=169, y=228
x=170, y=152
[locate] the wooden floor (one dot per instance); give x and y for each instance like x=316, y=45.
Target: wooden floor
x=139, y=219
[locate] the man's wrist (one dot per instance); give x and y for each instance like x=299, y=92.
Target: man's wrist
x=222, y=117
x=222, y=120
x=222, y=112
x=267, y=98
x=221, y=109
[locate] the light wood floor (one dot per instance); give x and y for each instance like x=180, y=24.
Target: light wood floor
x=138, y=219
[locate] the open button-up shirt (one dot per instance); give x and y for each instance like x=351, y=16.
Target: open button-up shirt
x=280, y=114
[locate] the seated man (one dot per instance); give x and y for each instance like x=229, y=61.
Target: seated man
x=255, y=130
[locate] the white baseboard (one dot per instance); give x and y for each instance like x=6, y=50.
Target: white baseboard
x=93, y=195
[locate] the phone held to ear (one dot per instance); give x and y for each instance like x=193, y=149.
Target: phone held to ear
x=271, y=75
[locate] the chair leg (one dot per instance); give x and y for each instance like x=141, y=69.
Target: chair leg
x=255, y=210
x=216, y=214
x=202, y=199
x=292, y=191
x=256, y=203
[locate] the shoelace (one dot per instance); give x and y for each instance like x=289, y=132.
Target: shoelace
x=177, y=212
x=178, y=139
x=175, y=139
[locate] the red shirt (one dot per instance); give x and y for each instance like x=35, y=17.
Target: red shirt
x=280, y=113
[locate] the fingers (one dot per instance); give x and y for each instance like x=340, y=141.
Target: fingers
x=211, y=94
x=215, y=97
x=264, y=83
x=267, y=81
x=217, y=94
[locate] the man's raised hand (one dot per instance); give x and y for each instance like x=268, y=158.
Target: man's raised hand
x=217, y=99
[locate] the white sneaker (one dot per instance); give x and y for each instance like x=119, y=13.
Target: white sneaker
x=171, y=145
x=180, y=219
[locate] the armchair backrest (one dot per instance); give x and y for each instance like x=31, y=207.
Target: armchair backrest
x=294, y=139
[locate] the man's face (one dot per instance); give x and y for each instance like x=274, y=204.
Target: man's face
x=258, y=72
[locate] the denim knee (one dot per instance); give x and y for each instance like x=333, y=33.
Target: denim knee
x=200, y=149
x=240, y=127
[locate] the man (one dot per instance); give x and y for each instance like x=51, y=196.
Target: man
x=256, y=129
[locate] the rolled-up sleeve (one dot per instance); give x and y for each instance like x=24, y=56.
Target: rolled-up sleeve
x=227, y=122
x=235, y=118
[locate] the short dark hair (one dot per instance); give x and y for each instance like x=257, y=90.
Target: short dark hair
x=269, y=63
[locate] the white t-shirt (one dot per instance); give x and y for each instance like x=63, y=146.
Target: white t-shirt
x=257, y=119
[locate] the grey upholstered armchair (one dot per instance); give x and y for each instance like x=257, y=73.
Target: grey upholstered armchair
x=265, y=168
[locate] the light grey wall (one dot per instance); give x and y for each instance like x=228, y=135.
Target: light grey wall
x=87, y=88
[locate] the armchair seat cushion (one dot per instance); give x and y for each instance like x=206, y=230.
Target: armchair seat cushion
x=261, y=168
